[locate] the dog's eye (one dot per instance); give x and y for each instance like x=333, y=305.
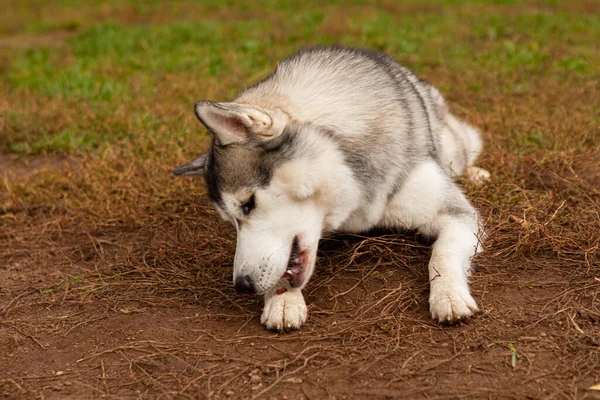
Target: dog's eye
x=248, y=205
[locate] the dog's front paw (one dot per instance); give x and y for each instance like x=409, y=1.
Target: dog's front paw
x=448, y=304
x=285, y=311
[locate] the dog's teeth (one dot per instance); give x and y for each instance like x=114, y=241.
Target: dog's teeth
x=289, y=271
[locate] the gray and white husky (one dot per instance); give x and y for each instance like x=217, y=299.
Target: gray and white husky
x=339, y=139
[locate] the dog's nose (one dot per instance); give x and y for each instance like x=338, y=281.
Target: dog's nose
x=244, y=284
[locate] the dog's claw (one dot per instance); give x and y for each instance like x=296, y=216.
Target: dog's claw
x=286, y=311
x=451, y=305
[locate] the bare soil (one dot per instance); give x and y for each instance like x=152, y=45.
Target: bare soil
x=149, y=311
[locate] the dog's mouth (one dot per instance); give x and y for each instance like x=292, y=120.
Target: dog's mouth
x=296, y=268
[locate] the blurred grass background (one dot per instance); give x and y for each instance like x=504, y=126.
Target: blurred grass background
x=79, y=76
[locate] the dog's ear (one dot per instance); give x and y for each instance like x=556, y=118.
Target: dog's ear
x=239, y=123
x=193, y=168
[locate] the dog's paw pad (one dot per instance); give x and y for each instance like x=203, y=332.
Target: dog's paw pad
x=285, y=311
x=447, y=306
x=477, y=175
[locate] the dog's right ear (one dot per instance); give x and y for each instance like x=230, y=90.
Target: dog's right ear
x=193, y=168
x=232, y=123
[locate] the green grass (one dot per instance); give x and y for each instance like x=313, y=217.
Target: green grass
x=64, y=285
x=40, y=71
x=62, y=142
x=115, y=65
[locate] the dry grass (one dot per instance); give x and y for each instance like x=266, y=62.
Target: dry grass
x=116, y=276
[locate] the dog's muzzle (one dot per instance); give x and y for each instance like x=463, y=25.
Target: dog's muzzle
x=244, y=284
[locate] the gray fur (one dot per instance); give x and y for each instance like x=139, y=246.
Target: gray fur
x=394, y=91
x=340, y=139
x=403, y=112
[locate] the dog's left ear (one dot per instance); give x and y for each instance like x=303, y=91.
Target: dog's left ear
x=193, y=168
x=239, y=123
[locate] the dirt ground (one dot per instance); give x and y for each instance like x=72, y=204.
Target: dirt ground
x=115, y=278
x=149, y=311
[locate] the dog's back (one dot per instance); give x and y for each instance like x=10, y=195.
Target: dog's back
x=369, y=101
x=339, y=139
x=355, y=91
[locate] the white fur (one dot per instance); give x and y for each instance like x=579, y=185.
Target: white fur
x=284, y=311
x=320, y=195
x=477, y=175
x=344, y=114
x=263, y=245
x=449, y=269
x=305, y=198
x=417, y=205
x=419, y=200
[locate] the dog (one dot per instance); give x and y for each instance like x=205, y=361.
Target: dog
x=339, y=139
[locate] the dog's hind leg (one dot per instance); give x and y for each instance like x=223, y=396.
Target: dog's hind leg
x=461, y=143
x=476, y=174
